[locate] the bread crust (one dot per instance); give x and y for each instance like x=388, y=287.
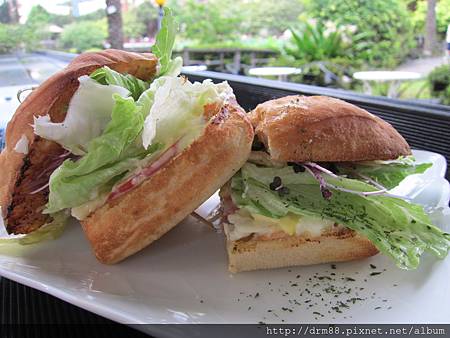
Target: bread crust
x=22, y=210
x=129, y=223
x=254, y=254
x=324, y=129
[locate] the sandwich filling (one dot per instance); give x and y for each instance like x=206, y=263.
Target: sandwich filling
x=270, y=200
x=120, y=130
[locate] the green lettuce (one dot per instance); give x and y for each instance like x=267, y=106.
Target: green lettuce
x=176, y=108
x=164, y=45
x=399, y=229
x=389, y=174
x=144, y=122
x=109, y=156
x=107, y=76
x=162, y=49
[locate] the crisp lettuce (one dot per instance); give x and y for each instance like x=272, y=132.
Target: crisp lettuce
x=174, y=68
x=164, y=44
x=145, y=120
x=176, y=108
x=389, y=174
x=163, y=51
x=107, y=76
x=172, y=109
x=399, y=229
x=108, y=157
x=88, y=114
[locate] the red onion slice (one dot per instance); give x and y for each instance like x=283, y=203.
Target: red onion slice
x=39, y=189
x=145, y=173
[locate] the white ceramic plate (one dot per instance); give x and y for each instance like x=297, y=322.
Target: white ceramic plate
x=183, y=277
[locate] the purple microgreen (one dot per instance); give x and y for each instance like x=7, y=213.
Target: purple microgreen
x=326, y=193
x=315, y=170
x=320, y=168
x=371, y=181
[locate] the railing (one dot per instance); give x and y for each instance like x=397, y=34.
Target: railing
x=231, y=60
x=425, y=126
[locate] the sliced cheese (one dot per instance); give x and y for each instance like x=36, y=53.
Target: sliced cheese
x=244, y=223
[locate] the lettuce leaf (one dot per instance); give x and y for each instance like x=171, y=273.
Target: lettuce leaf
x=176, y=107
x=154, y=118
x=169, y=110
x=108, y=157
x=388, y=174
x=107, y=76
x=88, y=114
x=164, y=45
x=399, y=229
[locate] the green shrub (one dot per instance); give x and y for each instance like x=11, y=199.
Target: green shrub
x=321, y=51
x=9, y=38
x=446, y=97
x=209, y=22
x=38, y=16
x=384, y=26
x=311, y=42
x=252, y=43
x=265, y=18
x=442, y=16
x=439, y=80
x=84, y=35
x=132, y=27
x=14, y=37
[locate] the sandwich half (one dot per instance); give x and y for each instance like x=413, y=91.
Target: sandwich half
x=315, y=189
x=123, y=143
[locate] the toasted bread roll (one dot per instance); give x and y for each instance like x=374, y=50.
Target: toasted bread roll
x=24, y=173
x=324, y=129
x=129, y=223
x=255, y=254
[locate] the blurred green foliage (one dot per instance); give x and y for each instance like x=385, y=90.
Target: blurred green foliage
x=208, y=22
x=132, y=27
x=419, y=16
x=322, y=52
x=227, y=23
x=327, y=39
x=4, y=13
x=16, y=37
x=39, y=19
x=83, y=35
x=39, y=16
x=439, y=80
x=313, y=42
x=384, y=26
x=140, y=21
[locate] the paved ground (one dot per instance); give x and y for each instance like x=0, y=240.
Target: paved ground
x=22, y=71
x=423, y=65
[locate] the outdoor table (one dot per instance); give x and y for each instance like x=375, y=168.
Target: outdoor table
x=194, y=68
x=281, y=72
x=20, y=304
x=394, y=78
